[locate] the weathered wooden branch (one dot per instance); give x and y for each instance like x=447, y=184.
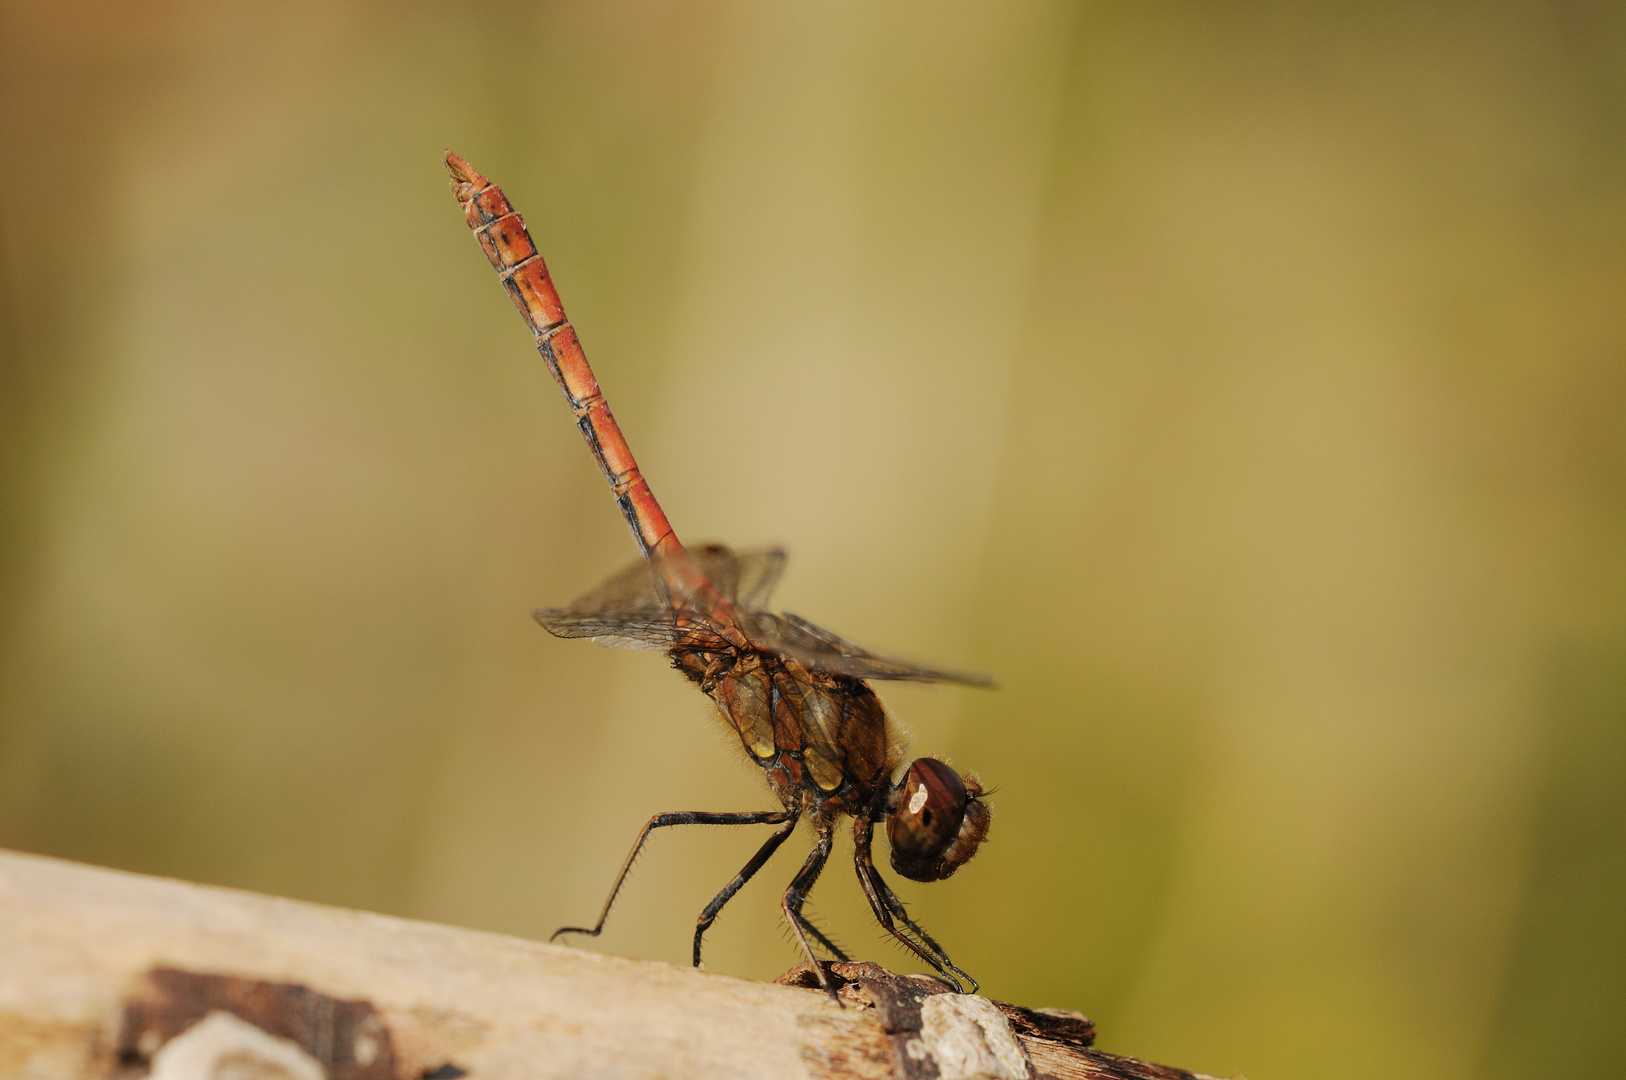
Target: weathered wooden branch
x=104, y=973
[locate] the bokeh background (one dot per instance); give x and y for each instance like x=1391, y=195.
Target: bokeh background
x=1244, y=384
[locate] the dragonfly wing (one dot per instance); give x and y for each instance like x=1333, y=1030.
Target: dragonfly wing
x=625, y=611
x=745, y=578
x=758, y=573
x=632, y=590
x=616, y=629
x=631, y=609
x=719, y=564
x=819, y=649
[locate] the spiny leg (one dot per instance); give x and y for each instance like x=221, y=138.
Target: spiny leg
x=815, y=933
x=796, y=896
x=829, y=946
x=885, y=904
x=660, y=821
x=764, y=853
x=888, y=911
x=896, y=905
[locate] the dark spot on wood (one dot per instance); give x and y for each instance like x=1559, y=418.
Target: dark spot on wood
x=1057, y=1025
x=447, y=1071
x=895, y=998
x=1056, y=1040
x=346, y=1037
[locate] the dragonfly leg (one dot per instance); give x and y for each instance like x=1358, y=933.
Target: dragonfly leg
x=829, y=946
x=796, y=896
x=889, y=911
x=660, y=821
x=709, y=915
x=952, y=971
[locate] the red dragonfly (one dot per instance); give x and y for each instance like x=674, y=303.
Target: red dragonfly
x=796, y=694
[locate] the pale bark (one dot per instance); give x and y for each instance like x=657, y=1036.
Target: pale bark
x=101, y=970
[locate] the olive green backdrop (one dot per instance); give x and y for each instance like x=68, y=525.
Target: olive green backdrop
x=1243, y=384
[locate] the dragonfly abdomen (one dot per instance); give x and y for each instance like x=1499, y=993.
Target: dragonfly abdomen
x=507, y=243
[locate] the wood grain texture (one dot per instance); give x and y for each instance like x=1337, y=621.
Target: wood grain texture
x=90, y=959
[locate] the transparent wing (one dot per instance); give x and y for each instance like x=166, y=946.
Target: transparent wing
x=625, y=611
x=614, y=629
x=821, y=650
x=759, y=573
x=630, y=609
x=631, y=590
x=745, y=578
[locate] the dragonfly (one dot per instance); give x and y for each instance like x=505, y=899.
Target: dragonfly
x=797, y=695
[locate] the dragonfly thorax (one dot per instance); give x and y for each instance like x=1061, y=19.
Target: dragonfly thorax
x=824, y=739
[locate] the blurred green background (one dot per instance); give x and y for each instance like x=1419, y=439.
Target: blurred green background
x=1243, y=384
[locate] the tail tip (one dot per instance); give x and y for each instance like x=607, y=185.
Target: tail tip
x=461, y=171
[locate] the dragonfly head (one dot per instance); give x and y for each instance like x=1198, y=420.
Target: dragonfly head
x=935, y=821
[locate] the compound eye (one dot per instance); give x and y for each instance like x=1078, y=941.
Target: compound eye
x=926, y=819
